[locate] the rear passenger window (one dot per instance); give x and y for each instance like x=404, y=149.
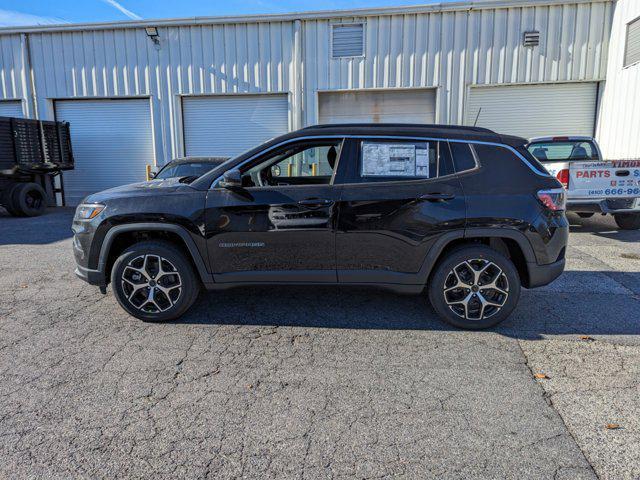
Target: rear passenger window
x=488, y=153
x=391, y=160
x=463, y=158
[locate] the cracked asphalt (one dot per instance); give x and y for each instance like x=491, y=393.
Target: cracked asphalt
x=317, y=382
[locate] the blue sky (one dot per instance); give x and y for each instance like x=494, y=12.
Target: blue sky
x=33, y=12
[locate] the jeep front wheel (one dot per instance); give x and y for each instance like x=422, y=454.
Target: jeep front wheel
x=474, y=287
x=154, y=281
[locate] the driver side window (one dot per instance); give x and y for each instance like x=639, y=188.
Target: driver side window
x=299, y=164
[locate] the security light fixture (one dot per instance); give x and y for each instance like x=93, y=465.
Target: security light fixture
x=152, y=33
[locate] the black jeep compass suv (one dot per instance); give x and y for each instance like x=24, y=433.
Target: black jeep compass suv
x=464, y=212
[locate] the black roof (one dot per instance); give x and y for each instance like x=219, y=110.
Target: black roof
x=395, y=127
x=456, y=132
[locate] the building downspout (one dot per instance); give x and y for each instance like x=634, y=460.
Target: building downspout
x=297, y=120
x=28, y=79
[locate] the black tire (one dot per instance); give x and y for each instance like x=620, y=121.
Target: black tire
x=29, y=199
x=477, y=256
x=166, y=306
x=7, y=199
x=586, y=214
x=628, y=221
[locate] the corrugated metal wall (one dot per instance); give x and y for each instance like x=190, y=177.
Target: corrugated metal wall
x=451, y=50
x=190, y=60
x=447, y=50
x=249, y=58
x=12, y=71
x=619, y=119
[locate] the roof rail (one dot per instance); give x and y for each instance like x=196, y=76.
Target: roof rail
x=411, y=125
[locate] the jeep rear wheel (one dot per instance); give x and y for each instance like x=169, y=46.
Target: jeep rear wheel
x=154, y=281
x=627, y=221
x=474, y=287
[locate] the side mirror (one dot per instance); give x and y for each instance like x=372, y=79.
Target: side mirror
x=152, y=175
x=231, y=179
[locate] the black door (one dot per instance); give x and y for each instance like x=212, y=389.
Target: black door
x=399, y=197
x=281, y=225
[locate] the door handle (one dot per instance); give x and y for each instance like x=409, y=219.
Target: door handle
x=437, y=197
x=315, y=202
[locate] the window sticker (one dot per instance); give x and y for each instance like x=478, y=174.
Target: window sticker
x=422, y=162
x=394, y=160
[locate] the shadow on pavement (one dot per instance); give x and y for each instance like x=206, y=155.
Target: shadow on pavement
x=597, y=302
x=53, y=226
x=576, y=310
x=602, y=226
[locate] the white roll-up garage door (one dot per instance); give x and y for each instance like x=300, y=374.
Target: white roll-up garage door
x=379, y=106
x=11, y=108
x=228, y=125
x=534, y=110
x=112, y=143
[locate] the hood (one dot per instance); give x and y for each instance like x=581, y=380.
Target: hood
x=140, y=189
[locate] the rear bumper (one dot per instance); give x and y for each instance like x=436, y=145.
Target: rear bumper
x=540, y=275
x=604, y=205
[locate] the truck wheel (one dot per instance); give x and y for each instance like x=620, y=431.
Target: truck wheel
x=628, y=221
x=154, y=281
x=474, y=287
x=7, y=199
x=29, y=199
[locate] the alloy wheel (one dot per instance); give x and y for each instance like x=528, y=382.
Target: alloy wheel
x=151, y=283
x=476, y=289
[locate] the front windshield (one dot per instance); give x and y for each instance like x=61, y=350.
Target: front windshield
x=563, y=150
x=189, y=169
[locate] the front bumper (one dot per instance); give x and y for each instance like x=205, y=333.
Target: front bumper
x=604, y=205
x=83, y=240
x=92, y=277
x=540, y=275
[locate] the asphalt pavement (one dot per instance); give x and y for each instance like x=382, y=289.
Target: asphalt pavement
x=313, y=382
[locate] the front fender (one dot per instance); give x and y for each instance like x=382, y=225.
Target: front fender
x=179, y=230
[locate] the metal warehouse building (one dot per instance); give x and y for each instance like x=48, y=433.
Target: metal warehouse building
x=139, y=93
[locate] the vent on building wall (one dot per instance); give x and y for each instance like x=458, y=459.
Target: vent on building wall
x=531, y=39
x=632, y=48
x=347, y=40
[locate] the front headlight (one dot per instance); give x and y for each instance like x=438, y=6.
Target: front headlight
x=88, y=211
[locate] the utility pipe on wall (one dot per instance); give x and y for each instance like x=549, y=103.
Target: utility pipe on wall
x=28, y=79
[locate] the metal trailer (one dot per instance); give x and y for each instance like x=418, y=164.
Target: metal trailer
x=33, y=155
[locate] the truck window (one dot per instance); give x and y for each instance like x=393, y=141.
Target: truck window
x=558, y=151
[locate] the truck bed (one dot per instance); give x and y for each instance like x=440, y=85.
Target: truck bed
x=34, y=146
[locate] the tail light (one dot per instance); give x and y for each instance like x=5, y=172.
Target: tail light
x=554, y=199
x=563, y=177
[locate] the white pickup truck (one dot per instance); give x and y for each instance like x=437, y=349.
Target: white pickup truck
x=593, y=185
